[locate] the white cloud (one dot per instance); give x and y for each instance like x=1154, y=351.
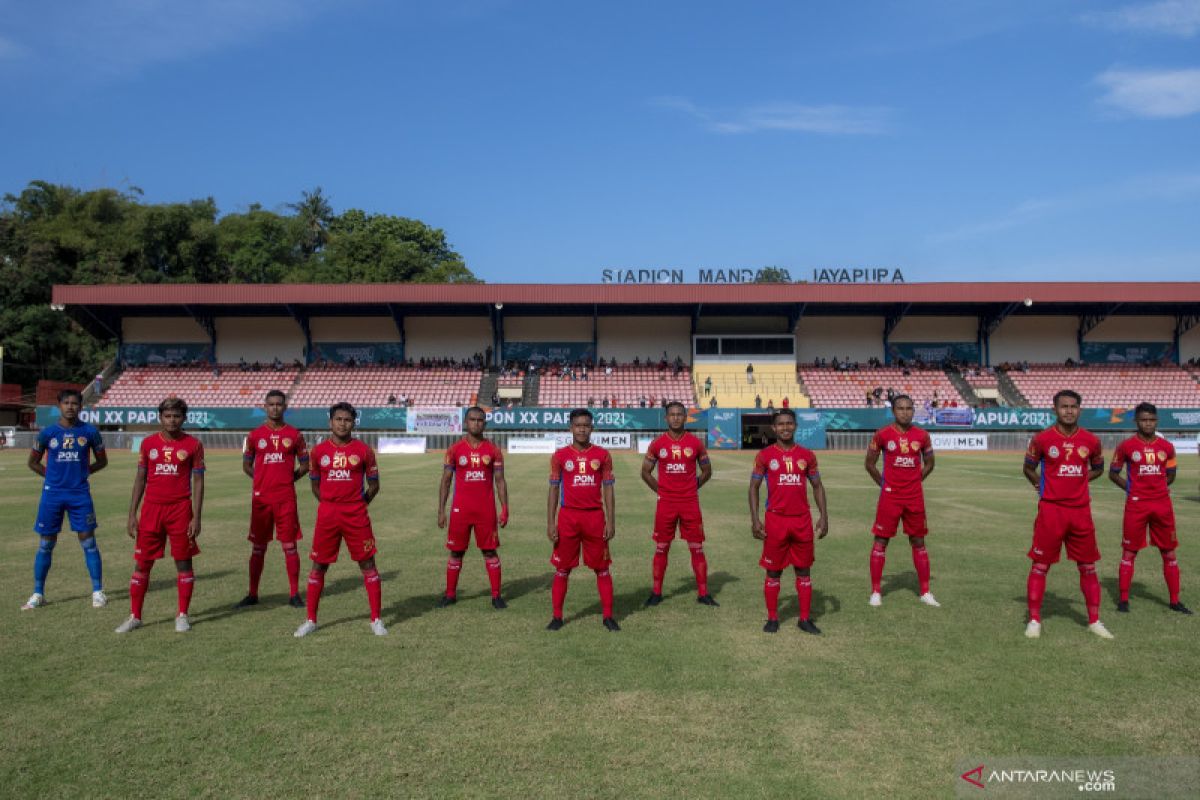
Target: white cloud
x=1168, y=17
x=1155, y=94
x=793, y=117
x=1143, y=188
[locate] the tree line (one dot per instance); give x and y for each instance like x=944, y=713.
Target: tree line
x=52, y=234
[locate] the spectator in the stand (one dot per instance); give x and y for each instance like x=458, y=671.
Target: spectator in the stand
x=713, y=402
x=758, y=401
x=749, y=373
x=770, y=404
x=257, y=367
x=834, y=363
x=277, y=365
x=98, y=385
x=391, y=401
x=605, y=403
x=870, y=400
x=708, y=386
x=614, y=402
x=608, y=368
x=785, y=403
x=242, y=365
x=495, y=399
x=216, y=373
x=891, y=395
x=636, y=361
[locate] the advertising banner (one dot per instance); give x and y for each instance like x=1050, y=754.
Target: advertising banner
x=810, y=430
x=307, y=419
x=141, y=354
x=397, y=444
x=609, y=441
x=935, y=352
x=539, y=352
x=959, y=441
x=724, y=428
x=431, y=419
x=1189, y=445
x=541, y=444
x=360, y=352
x=523, y=418
x=1126, y=352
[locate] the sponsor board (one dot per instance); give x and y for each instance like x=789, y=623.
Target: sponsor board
x=643, y=444
x=398, y=444
x=1188, y=445
x=959, y=441
x=542, y=444
x=427, y=419
x=605, y=439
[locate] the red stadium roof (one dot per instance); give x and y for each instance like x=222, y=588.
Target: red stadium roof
x=175, y=294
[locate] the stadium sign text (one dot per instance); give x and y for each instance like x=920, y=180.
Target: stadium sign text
x=743, y=275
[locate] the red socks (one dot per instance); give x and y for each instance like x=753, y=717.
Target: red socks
x=493, y=572
x=878, y=557
x=659, y=567
x=604, y=584
x=1171, y=573
x=558, y=591
x=771, y=595
x=1089, y=583
x=316, y=584
x=921, y=562
x=137, y=587
x=700, y=569
x=453, y=570
x=804, y=590
x=1035, y=589
x=374, y=592
x=184, y=583
x=1125, y=574
x=291, y=560
x=258, y=557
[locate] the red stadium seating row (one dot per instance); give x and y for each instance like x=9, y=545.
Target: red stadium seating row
x=627, y=384
x=1108, y=385
x=828, y=387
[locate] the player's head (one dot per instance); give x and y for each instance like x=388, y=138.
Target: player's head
x=1146, y=417
x=902, y=409
x=1066, y=406
x=676, y=416
x=341, y=419
x=475, y=421
x=784, y=425
x=275, y=403
x=171, y=414
x=70, y=401
x=581, y=426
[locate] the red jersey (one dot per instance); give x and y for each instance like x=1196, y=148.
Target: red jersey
x=341, y=470
x=1149, y=463
x=274, y=453
x=169, y=464
x=677, y=461
x=787, y=473
x=474, y=471
x=903, y=458
x=581, y=472
x=1065, y=462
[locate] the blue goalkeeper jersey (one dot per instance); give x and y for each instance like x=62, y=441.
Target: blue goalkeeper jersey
x=67, y=455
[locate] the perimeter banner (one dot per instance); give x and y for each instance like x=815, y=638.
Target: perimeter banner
x=309, y=419
x=521, y=418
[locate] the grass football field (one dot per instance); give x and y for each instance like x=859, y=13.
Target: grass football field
x=685, y=701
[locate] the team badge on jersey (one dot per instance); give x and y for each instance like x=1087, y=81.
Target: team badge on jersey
x=487, y=460
x=687, y=452
x=324, y=461
x=1083, y=452
x=462, y=461
x=801, y=464
x=287, y=442
x=1053, y=451
x=354, y=461
x=54, y=444
x=774, y=465
x=1162, y=456
x=891, y=445
x=181, y=454
x=595, y=464
x=262, y=444
x=1135, y=456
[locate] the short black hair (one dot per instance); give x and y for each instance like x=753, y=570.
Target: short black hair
x=475, y=408
x=897, y=398
x=1145, y=408
x=1074, y=395
x=343, y=406
x=276, y=393
x=784, y=412
x=65, y=393
x=173, y=404
x=579, y=412
x=675, y=404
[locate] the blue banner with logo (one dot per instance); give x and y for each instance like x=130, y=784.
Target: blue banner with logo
x=521, y=418
x=539, y=352
x=935, y=352
x=724, y=428
x=1126, y=352
x=386, y=418
x=358, y=352
x=141, y=354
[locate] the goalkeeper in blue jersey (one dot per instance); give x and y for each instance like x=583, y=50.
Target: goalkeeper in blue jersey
x=73, y=451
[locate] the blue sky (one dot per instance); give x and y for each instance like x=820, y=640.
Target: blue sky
x=953, y=139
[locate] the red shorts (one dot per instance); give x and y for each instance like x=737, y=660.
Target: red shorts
x=1157, y=515
x=160, y=522
x=1057, y=524
x=338, y=521
x=789, y=542
x=458, y=537
x=891, y=510
x=686, y=515
x=274, y=516
x=580, y=529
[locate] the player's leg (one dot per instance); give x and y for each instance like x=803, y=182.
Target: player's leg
x=774, y=558
x=771, y=600
x=564, y=559
x=1125, y=578
x=150, y=546
x=878, y=559
x=183, y=549
x=1171, y=574
x=291, y=560
x=83, y=522
x=185, y=582
x=316, y=584
x=458, y=539
x=360, y=543
x=1133, y=539
x=491, y=561
x=327, y=540
x=262, y=523
x=802, y=555
x=597, y=558
x=1082, y=549
x=920, y=558
x=1162, y=534
x=48, y=525
x=887, y=522
x=804, y=593
x=453, y=571
x=1046, y=549
x=665, y=521
x=691, y=526
x=287, y=531
x=373, y=585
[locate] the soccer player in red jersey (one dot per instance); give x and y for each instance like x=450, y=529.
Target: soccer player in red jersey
x=683, y=467
x=1060, y=463
x=475, y=467
x=170, y=475
x=340, y=466
x=275, y=457
x=787, y=536
x=907, y=461
x=581, y=514
x=1151, y=470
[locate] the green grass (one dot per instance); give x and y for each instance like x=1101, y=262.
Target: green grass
x=686, y=701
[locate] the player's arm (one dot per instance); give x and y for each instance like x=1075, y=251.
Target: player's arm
x=927, y=462
x=1172, y=467
x=705, y=470
x=248, y=465
x=372, y=489
x=552, y=511
x=1114, y=473
x=35, y=462
x=139, y=488
x=99, y=461
x=609, y=492
x=197, y=502
x=872, y=464
x=756, y=526
x=314, y=482
x=501, y=493
x=822, y=525
x=1033, y=457
x=371, y=471
x=648, y=472
x=444, y=493
x=1097, y=468
x=302, y=469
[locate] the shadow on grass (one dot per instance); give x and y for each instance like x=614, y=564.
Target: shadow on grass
x=716, y=582
x=418, y=605
x=1137, y=590
x=900, y=581
x=1054, y=605
x=823, y=605
x=628, y=603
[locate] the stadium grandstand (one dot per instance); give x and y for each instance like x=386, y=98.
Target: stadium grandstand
x=744, y=346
